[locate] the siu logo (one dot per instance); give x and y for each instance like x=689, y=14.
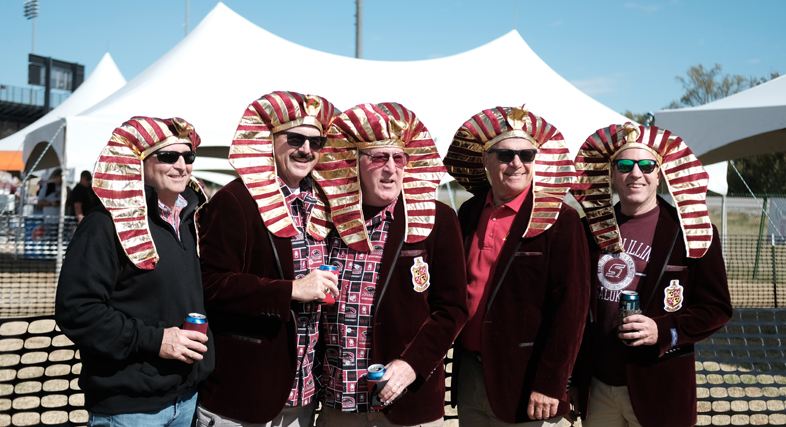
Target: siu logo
x=316, y=254
x=347, y=402
x=349, y=359
x=351, y=313
x=616, y=271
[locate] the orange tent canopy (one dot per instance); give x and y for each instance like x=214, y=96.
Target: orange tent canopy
x=11, y=161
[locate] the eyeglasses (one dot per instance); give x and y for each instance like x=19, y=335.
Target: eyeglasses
x=401, y=159
x=645, y=166
x=171, y=157
x=296, y=140
x=505, y=155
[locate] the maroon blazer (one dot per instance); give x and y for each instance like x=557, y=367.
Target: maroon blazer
x=249, y=307
x=662, y=378
x=419, y=327
x=536, y=312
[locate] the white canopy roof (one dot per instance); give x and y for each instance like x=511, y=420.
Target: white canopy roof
x=745, y=124
x=103, y=81
x=213, y=74
x=227, y=62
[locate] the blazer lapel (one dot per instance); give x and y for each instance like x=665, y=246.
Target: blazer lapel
x=471, y=225
x=395, y=240
x=512, y=242
x=661, y=243
x=283, y=251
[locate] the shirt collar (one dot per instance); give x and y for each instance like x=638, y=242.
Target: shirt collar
x=514, y=204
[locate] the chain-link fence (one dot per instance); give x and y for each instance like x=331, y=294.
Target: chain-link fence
x=30, y=251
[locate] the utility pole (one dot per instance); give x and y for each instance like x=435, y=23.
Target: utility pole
x=31, y=12
x=359, y=30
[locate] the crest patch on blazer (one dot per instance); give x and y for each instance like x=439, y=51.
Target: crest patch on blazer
x=673, y=297
x=420, y=275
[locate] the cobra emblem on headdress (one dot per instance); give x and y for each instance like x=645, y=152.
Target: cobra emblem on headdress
x=313, y=105
x=518, y=118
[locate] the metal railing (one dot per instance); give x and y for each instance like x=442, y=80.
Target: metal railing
x=31, y=95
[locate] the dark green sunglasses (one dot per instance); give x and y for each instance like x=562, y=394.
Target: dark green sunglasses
x=645, y=166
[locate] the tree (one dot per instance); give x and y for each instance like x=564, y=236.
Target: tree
x=638, y=118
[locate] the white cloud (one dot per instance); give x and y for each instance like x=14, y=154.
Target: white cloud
x=599, y=85
x=647, y=8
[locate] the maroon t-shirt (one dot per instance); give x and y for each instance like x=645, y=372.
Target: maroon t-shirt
x=617, y=273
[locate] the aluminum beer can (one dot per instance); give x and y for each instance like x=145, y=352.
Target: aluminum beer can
x=329, y=298
x=375, y=372
x=629, y=300
x=373, y=376
x=196, y=322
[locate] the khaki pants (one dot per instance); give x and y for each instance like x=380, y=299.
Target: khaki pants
x=329, y=417
x=290, y=416
x=609, y=406
x=473, y=406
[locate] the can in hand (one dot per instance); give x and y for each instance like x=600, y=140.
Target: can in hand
x=629, y=305
x=373, y=375
x=196, y=322
x=329, y=298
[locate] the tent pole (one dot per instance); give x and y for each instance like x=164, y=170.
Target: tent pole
x=724, y=236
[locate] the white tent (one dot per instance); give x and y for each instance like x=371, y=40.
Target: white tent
x=212, y=75
x=103, y=81
x=745, y=124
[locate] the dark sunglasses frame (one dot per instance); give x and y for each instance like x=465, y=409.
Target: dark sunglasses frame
x=380, y=159
x=296, y=140
x=171, y=157
x=627, y=165
x=506, y=155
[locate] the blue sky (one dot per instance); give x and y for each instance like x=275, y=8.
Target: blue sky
x=625, y=54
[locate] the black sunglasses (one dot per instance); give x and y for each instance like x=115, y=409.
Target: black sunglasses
x=645, y=166
x=296, y=140
x=170, y=157
x=378, y=159
x=506, y=155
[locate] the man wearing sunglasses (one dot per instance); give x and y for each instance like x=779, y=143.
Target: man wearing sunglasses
x=527, y=271
x=640, y=369
x=398, y=251
x=262, y=243
x=131, y=276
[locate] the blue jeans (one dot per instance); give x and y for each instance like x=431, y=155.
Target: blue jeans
x=179, y=414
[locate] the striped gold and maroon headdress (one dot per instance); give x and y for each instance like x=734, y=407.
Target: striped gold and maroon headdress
x=119, y=180
x=251, y=154
x=684, y=175
x=379, y=125
x=553, y=172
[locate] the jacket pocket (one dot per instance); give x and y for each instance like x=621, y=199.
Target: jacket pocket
x=525, y=253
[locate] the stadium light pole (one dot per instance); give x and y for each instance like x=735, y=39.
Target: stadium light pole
x=31, y=12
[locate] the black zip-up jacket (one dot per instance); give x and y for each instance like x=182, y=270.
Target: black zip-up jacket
x=116, y=313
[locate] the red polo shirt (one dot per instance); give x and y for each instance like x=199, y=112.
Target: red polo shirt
x=482, y=260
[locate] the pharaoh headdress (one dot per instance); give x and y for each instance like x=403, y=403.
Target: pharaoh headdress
x=379, y=125
x=553, y=172
x=684, y=175
x=251, y=154
x=119, y=181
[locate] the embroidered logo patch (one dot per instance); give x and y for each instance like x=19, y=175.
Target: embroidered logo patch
x=673, y=297
x=420, y=275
